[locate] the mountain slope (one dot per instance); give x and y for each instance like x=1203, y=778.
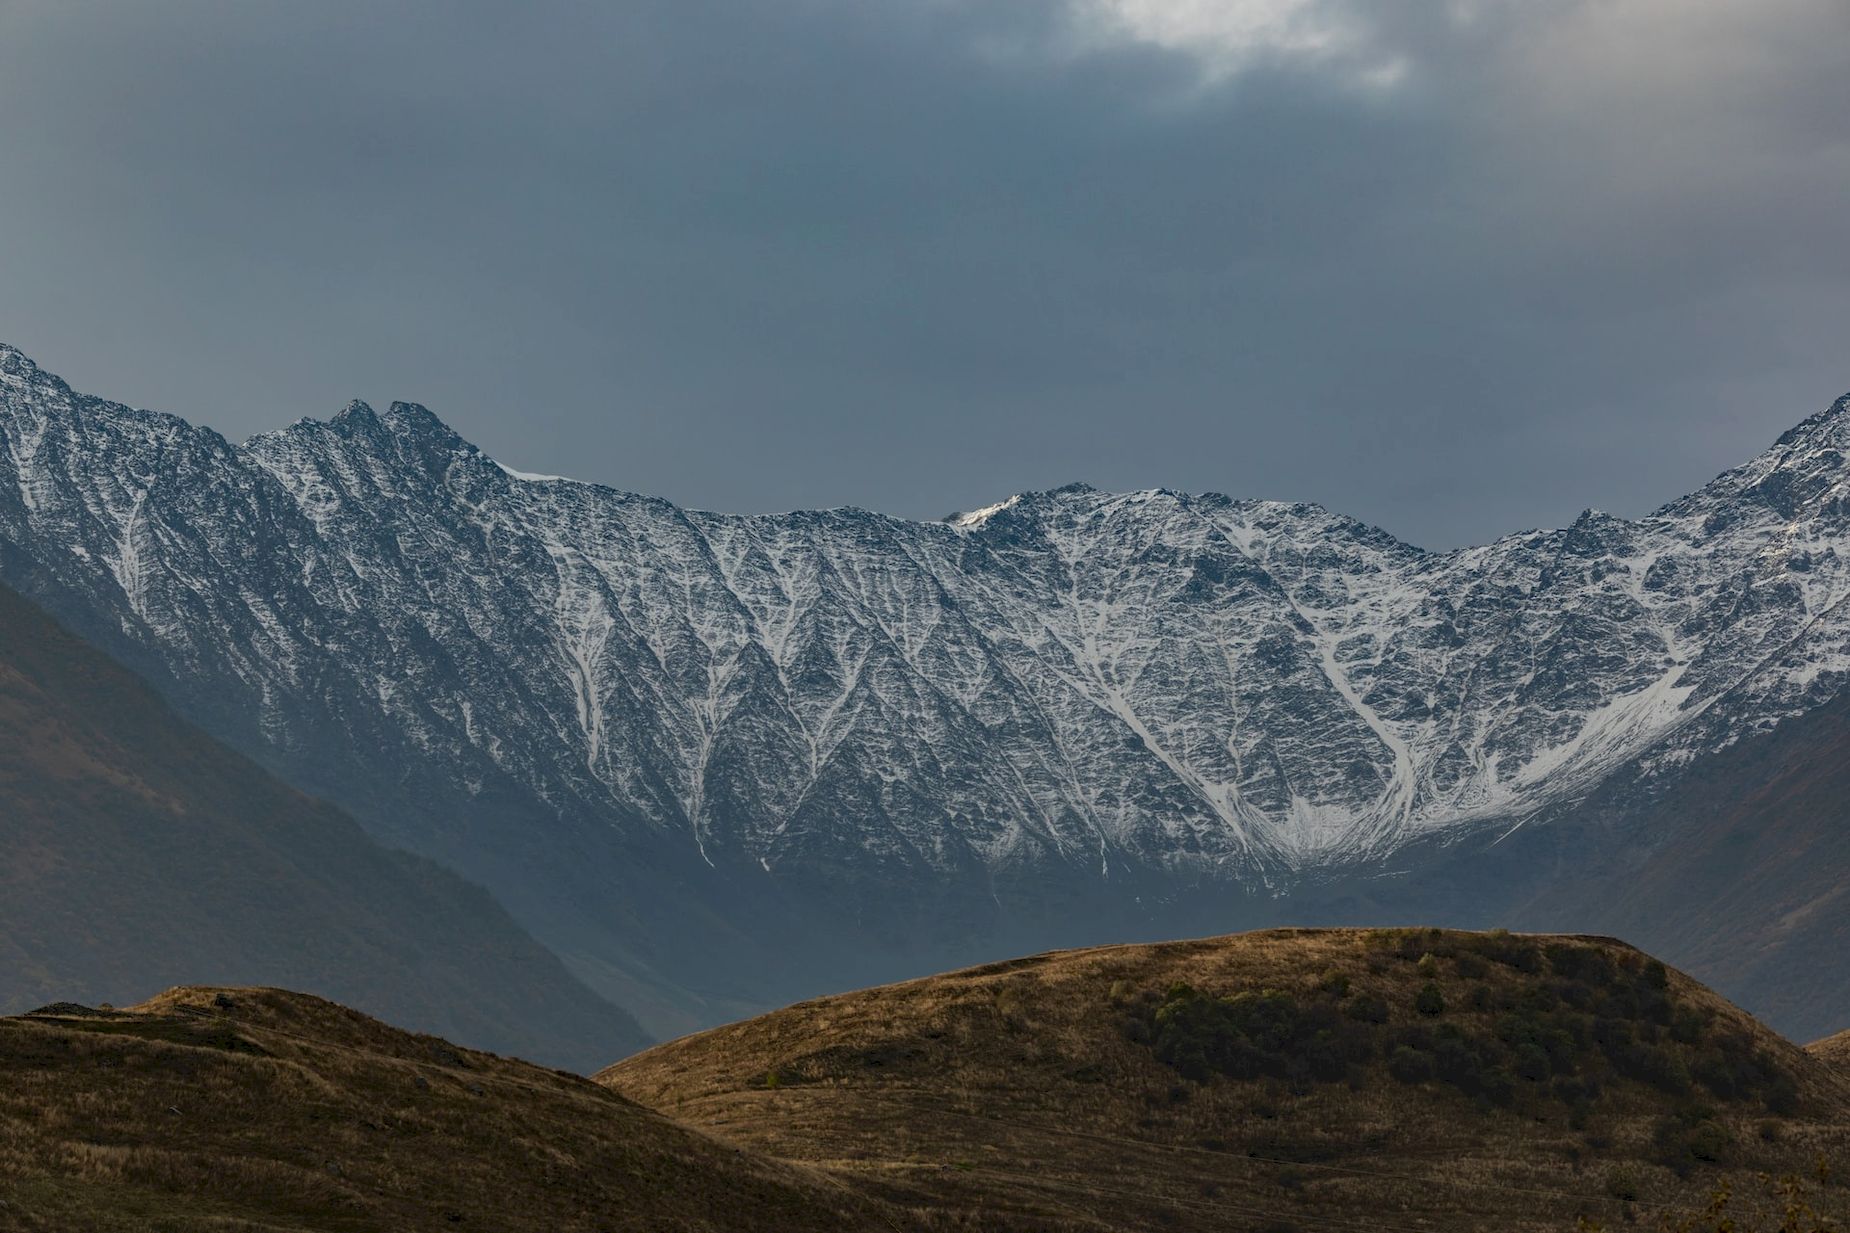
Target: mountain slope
x=1732, y=869
x=716, y=761
x=259, y=1109
x=135, y=850
x=1316, y=1079
x=1739, y=872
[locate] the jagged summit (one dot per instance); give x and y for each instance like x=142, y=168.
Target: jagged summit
x=399, y=417
x=1800, y=477
x=16, y=363
x=1832, y=422
x=417, y=416
x=1826, y=430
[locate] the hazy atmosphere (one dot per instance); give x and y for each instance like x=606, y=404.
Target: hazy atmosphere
x=1456, y=268
x=391, y=843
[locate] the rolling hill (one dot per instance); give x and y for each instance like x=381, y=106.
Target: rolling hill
x=248, y=1109
x=1292, y=1079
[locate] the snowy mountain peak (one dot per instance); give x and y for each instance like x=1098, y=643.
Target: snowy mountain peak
x=1107, y=685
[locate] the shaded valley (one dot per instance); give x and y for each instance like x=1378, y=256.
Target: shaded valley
x=136, y=852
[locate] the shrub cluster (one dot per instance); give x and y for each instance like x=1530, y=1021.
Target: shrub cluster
x=1267, y=1034
x=1689, y=1137
x=1581, y=1019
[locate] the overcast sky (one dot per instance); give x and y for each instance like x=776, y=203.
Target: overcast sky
x=1457, y=267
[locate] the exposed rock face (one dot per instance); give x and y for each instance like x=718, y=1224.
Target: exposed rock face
x=1072, y=693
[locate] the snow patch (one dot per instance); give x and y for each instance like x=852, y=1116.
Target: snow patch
x=977, y=517
x=533, y=477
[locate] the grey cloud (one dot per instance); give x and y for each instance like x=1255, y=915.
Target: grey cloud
x=918, y=254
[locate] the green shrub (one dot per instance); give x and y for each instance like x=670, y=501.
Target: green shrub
x=1653, y=1065
x=1577, y=961
x=1577, y=994
x=1709, y=1142
x=1687, y=1025
x=1365, y=1009
x=1254, y=1035
x=1565, y=1036
x=1409, y=1065
x=1612, y=1034
x=1688, y=1138
x=1539, y=999
x=1501, y=946
x=1532, y=1063
x=1498, y=1086
x=1691, y=1136
x=1713, y=1071
x=1458, y=1064
x=1518, y=1028
x=1656, y=975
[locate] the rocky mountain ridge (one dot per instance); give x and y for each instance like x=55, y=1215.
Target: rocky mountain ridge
x=1120, y=693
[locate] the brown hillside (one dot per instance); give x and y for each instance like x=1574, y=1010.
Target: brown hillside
x=256, y=1109
x=1293, y=1079
x=1833, y=1051
x=136, y=853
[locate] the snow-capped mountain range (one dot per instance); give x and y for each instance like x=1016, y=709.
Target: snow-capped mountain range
x=1071, y=686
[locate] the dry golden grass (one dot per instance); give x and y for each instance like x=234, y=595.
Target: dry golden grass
x=1833, y=1051
x=1018, y=1090
x=252, y=1109
x=1021, y=1096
